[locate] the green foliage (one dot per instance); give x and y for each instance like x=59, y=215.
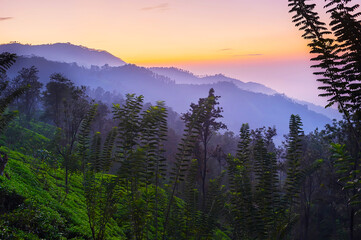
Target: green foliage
x=102, y=194
x=84, y=136
x=192, y=214
x=338, y=50
x=214, y=208
x=293, y=157
x=257, y=210
x=39, y=210
x=8, y=96
x=124, y=190
x=348, y=176
x=41, y=215
x=153, y=135
x=241, y=199
x=107, y=156
x=26, y=140
x=209, y=125
x=183, y=158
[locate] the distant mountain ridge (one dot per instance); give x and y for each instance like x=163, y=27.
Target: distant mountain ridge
x=181, y=76
x=240, y=106
x=65, y=52
x=242, y=102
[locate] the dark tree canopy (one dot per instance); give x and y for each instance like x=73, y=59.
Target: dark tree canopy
x=28, y=103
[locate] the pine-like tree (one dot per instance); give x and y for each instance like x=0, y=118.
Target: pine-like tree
x=209, y=127
x=293, y=161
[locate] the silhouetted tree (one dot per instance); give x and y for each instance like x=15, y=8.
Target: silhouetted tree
x=28, y=102
x=338, y=50
x=209, y=127
x=66, y=105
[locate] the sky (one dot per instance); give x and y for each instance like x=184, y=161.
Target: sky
x=248, y=40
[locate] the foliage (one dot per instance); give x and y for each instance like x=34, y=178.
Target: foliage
x=29, y=101
x=8, y=96
x=294, y=155
x=67, y=107
x=338, y=50
x=122, y=187
x=349, y=177
x=208, y=127
x=337, y=56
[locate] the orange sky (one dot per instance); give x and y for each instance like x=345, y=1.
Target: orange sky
x=223, y=35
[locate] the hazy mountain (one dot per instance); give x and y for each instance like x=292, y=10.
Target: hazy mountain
x=185, y=77
x=240, y=106
x=65, y=52
x=331, y=113
x=181, y=76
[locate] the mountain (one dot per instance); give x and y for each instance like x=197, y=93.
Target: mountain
x=240, y=106
x=330, y=112
x=185, y=77
x=65, y=52
x=86, y=57
x=181, y=76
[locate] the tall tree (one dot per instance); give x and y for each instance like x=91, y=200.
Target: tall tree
x=209, y=127
x=66, y=106
x=129, y=155
x=256, y=207
x=294, y=157
x=28, y=102
x=154, y=131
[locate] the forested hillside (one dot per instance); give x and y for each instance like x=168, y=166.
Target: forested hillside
x=81, y=161
x=257, y=109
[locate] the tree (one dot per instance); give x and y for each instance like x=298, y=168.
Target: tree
x=131, y=160
x=59, y=94
x=66, y=106
x=154, y=131
x=293, y=161
x=183, y=162
x=256, y=207
x=102, y=192
x=6, y=98
x=338, y=56
x=209, y=127
x=339, y=63
x=28, y=102
x=240, y=171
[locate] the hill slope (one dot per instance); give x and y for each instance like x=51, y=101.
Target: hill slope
x=33, y=202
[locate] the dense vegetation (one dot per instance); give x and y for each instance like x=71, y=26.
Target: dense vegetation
x=77, y=163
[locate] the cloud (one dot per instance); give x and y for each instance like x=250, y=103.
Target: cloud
x=160, y=7
x=5, y=18
x=248, y=55
x=225, y=49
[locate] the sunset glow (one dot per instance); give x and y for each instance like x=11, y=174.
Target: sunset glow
x=213, y=33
